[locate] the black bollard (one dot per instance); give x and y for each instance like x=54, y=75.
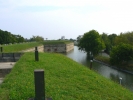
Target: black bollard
x=39, y=84
x=91, y=60
x=2, y=55
x=36, y=54
x=13, y=55
x=36, y=49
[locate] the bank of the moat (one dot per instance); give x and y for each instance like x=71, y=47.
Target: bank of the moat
x=118, y=68
x=102, y=68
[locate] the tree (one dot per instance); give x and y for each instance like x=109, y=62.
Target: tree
x=124, y=38
x=62, y=37
x=121, y=54
x=111, y=38
x=79, y=37
x=107, y=43
x=91, y=42
x=6, y=37
x=72, y=40
x=37, y=38
x=120, y=39
x=19, y=38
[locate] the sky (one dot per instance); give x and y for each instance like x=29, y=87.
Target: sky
x=53, y=19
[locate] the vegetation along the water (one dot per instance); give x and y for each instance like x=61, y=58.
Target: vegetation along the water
x=119, y=47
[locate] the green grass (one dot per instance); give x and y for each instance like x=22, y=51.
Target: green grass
x=19, y=47
x=65, y=80
x=57, y=42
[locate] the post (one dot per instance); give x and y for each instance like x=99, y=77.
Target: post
x=91, y=59
x=36, y=54
x=91, y=63
x=14, y=57
x=120, y=80
x=36, y=49
x=39, y=84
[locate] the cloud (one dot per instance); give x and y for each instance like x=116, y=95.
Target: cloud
x=65, y=17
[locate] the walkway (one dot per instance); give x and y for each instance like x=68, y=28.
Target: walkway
x=40, y=49
x=5, y=68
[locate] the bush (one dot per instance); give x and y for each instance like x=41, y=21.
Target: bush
x=121, y=54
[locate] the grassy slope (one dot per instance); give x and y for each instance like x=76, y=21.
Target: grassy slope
x=57, y=42
x=19, y=47
x=65, y=79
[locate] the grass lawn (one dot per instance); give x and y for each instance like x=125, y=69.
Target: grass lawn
x=65, y=80
x=19, y=47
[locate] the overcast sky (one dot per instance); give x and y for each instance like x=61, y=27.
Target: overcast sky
x=55, y=18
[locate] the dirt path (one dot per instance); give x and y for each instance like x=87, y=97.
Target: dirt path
x=40, y=49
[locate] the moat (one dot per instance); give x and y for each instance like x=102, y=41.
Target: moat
x=108, y=72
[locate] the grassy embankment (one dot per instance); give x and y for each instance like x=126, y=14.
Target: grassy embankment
x=24, y=46
x=19, y=47
x=65, y=79
x=57, y=42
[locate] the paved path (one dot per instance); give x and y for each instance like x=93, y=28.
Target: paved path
x=5, y=65
x=40, y=49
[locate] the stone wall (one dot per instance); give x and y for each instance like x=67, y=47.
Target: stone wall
x=60, y=48
x=10, y=57
x=69, y=47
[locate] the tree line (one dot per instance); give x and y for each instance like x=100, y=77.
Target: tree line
x=119, y=47
x=7, y=37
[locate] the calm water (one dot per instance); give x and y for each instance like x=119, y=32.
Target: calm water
x=113, y=74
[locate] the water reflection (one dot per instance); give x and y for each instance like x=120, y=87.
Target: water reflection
x=78, y=56
x=108, y=72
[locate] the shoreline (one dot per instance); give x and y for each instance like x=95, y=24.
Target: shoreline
x=126, y=71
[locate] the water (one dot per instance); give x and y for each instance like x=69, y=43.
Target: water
x=108, y=72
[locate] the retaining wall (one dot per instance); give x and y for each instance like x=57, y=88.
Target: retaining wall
x=60, y=48
x=4, y=72
x=10, y=57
